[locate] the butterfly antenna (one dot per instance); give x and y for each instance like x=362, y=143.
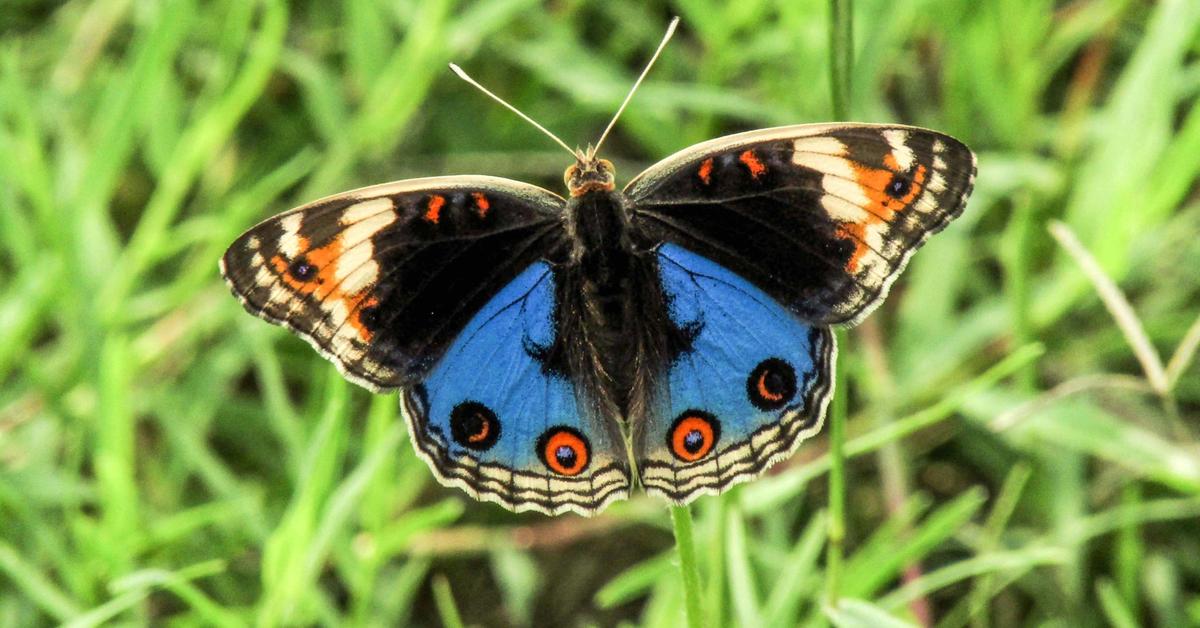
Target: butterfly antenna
x=629, y=96
x=463, y=75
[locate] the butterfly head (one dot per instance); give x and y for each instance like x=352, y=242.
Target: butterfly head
x=589, y=174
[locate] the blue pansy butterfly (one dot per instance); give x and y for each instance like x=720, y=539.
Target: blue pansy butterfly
x=553, y=352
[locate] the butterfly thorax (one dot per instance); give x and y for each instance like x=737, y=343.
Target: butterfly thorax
x=598, y=227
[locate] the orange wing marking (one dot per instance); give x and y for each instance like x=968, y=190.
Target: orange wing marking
x=881, y=208
x=481, y=204
x=433, y=211
x=766, y=392
x=484, y=430
x=705, y=171
x=324, y=285
x=753, y=164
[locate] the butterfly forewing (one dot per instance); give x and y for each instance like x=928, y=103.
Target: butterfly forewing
x=821, y=217
x=380, y=280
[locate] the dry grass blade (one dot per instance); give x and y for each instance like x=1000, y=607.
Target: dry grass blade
x=1118, y=306
x=1074, y=386
x=1183, y=354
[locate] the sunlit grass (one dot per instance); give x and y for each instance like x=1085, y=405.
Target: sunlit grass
x=1010, y=458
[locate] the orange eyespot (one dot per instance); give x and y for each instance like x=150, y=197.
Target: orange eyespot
x=771, y=384
x=693, y=435
x=474, y=426
x=564, y=450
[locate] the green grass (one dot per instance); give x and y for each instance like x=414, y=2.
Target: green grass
x=1021, y=439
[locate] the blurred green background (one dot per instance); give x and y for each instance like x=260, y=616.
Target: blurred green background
x=1018, y=454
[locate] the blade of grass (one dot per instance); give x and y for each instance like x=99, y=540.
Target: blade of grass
x=841, y=60
x=115, y=454
x=1182, y=358
x=1119, y=615
x=864, y=578
x=996, y=562
x=635, y=581
x=854, y=613
x=993, y=529
x=195, y=149
x=799, y=572
x=137, y=586
x=841, y=55
x=287, y=570
x=685, y=545
x=836, y=464
x=742, y=587
x=443, y=597
x=1122, y=312
x=27, y=577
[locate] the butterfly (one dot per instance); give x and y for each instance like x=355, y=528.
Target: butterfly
x=553, y=353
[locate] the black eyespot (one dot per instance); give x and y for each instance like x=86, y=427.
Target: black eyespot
x=771, y=384
x=899, y=187
x=369, y=317
x=302, y=270
x=474, y=426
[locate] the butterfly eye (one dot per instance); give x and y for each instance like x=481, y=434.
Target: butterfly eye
x=693, y=435
x=771, y=384
x=474, y=426
x=564, y=450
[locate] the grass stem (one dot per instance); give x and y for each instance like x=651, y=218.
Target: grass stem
x=681, y=517
x=841, y=52
x=837, y=488
x=841, y=49
x=443, y=597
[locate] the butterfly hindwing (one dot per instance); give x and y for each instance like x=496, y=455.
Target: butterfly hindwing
x=821, y=217
x=493, y=419
x=380, y=280
x=752, y=386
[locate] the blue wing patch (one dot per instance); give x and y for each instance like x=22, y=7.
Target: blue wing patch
x=754, y=384
x=492, y=420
